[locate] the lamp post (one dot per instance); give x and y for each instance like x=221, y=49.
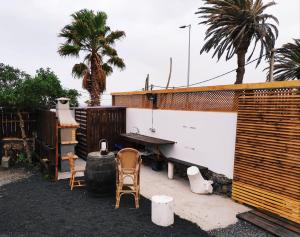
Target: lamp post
x=189, y=53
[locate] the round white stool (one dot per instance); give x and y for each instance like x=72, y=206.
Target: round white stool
x=162, y=212
x=197, y=183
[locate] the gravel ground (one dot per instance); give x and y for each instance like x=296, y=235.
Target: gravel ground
x=36, y=207
x=240, y=229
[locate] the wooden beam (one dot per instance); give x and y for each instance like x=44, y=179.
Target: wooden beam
x=249, y=86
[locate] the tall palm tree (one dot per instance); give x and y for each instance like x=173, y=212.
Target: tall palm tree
x=287, y=62
x=233, y=25
x=88, y=33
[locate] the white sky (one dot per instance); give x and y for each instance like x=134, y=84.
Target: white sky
x=29, y=30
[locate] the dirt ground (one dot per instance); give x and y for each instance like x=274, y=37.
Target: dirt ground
x=12, y=175
x=37, y=207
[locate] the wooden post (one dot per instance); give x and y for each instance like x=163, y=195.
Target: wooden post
x=170, y=72
x=270, y=78
x=56, y=150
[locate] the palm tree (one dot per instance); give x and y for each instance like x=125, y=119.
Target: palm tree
x=233, y=25
x=88, y=33
x=287, y=62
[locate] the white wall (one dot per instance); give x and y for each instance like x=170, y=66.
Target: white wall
x=203, y=138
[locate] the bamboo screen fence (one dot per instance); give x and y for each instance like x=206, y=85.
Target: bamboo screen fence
x=267, y=156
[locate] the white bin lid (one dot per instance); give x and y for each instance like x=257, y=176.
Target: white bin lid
x=161, y=199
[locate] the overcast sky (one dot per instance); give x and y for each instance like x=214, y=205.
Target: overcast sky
x=29, y=30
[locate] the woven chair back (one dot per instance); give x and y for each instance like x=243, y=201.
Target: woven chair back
x=129, y=158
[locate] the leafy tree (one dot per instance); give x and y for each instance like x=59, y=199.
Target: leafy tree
x=89, y=34
x=233, y=25
x=21, y=92
x=10, y=77
x=47, y=88
x=287, y=62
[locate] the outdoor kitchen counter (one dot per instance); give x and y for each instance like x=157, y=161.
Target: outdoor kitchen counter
x=147, y=140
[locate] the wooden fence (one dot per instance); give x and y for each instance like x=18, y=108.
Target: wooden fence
x=267, y=157
x=97, y=123
x=46, y=145
x=207, y=98
x=10, y=124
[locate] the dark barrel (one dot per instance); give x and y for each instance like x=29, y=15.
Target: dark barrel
x=100, y=174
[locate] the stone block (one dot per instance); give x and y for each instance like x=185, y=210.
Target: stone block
x=5, y=161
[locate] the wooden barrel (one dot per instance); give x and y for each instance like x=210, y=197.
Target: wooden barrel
x=100, y=174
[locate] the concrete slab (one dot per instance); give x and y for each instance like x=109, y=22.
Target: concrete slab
x=207, y=211
x=79, y=164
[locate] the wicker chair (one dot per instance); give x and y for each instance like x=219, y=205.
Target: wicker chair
x=73, y=182
x=128, y=174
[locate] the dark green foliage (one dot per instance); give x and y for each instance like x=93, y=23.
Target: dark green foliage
x=287, y=62
x=10, y=77
x=10, y=81
x=20, y=91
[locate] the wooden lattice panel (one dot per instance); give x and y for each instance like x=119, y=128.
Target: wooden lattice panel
x=132, y=101
x=219, y=101
x=267, y=156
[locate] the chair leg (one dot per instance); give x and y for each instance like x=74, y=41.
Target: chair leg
x=72, y=182
x=118, y=195
x=136, y=198
x=117, y=199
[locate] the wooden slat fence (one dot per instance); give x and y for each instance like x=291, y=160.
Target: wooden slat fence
x=47, y=138
x=10, y=124
x=267, y=157
x=97, y=123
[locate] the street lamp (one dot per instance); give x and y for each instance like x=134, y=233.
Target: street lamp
x=189, y=53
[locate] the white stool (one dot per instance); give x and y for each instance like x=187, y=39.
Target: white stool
x=197, y=183
x=162, y=212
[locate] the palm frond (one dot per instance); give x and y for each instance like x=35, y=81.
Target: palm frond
x=107, y=69
x=287, y=62
x=107, y=50
x=69, y=50
x=117, y=62
x=79, y=70
x=115, y=35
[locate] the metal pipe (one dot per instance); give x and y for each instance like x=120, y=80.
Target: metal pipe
x=189, y=53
